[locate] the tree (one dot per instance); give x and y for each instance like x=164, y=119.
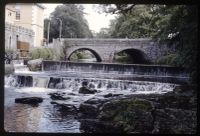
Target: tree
x=103, y=33
x=74, y=25
x=176, y=24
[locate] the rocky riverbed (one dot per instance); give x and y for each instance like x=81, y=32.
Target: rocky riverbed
x=75, y=105
x=170, y=113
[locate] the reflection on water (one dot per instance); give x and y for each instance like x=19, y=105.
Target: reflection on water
x=43, y=118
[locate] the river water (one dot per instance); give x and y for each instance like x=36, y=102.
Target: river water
x=47, y=117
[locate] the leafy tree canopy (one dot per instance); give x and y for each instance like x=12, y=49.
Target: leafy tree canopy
x=177, y=24
x=74, y=25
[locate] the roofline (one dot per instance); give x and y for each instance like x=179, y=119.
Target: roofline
x=40, y=5
x=10, y=9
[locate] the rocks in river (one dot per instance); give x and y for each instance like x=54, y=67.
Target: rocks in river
x=133, y=114
x=111, y=95
x=96, y=126
x=84, y=83
x=35, y=65
x=171, y=113
x=65, y=108
x=29, y=100
x=58, y=96
x=174, y=121
x=86, y=90
x=9, y=69
x=90, y=108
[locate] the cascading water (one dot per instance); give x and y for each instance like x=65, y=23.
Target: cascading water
x=45, y=117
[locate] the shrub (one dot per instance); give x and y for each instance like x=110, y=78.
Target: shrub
x=45, y=53
x=171, y=59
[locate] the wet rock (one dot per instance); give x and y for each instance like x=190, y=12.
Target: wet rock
x=185, y=90
x=96, y=126
x=59, y=86
x=51, y=85
x=9, y=69
x=58, y=96
x=177, y=100
x=88, y=110
x=65, y=108
x=29, y=100
x=86, y=90
x=108, y=95
x=84, y=83
x=71, y=94
x=175, y=121
x=35, y=65
x=91, y=86
x=111, y=95
x=133, y=114
x=96, y=101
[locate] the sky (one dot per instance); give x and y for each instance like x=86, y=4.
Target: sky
x=95, y=20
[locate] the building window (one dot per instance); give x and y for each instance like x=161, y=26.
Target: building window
x=18, y=15
x=9, y=14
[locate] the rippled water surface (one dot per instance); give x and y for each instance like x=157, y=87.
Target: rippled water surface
x=43, y=118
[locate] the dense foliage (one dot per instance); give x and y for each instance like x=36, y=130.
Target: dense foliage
x=45, y=53
x=74, y=25
x=176, y=24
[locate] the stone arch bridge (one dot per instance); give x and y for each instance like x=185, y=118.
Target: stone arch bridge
x=105, y=49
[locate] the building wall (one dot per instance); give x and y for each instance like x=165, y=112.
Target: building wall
x=10, y=14
x=31, y=17
x=14, y=33
x=38, y=24
x=25, y=16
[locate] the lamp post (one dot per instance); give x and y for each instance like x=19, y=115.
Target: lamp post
x=60, y=33
x=48, y=31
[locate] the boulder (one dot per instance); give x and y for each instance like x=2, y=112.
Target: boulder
x=133, y=114
x=96, y=126
x=86, y=90
x=88, y=110
x=29, y=100
x=65, y=108
x=35, y=65
x=84, y=83
x=111, y=95
x=58, y=96
x=9, y=69
x=170, y=113
x=175, y=121
x=35, y=61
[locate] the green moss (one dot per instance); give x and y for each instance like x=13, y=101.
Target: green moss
x=126, y=112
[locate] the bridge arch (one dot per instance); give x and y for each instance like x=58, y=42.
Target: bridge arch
x=136, y=56
x=97, y=56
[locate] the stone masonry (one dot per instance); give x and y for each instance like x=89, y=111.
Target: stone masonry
x=105, y=49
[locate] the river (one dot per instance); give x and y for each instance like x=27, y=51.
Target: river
x=47, y=117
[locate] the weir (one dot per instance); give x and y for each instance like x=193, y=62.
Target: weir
x=122, y=71
x=61, y=86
